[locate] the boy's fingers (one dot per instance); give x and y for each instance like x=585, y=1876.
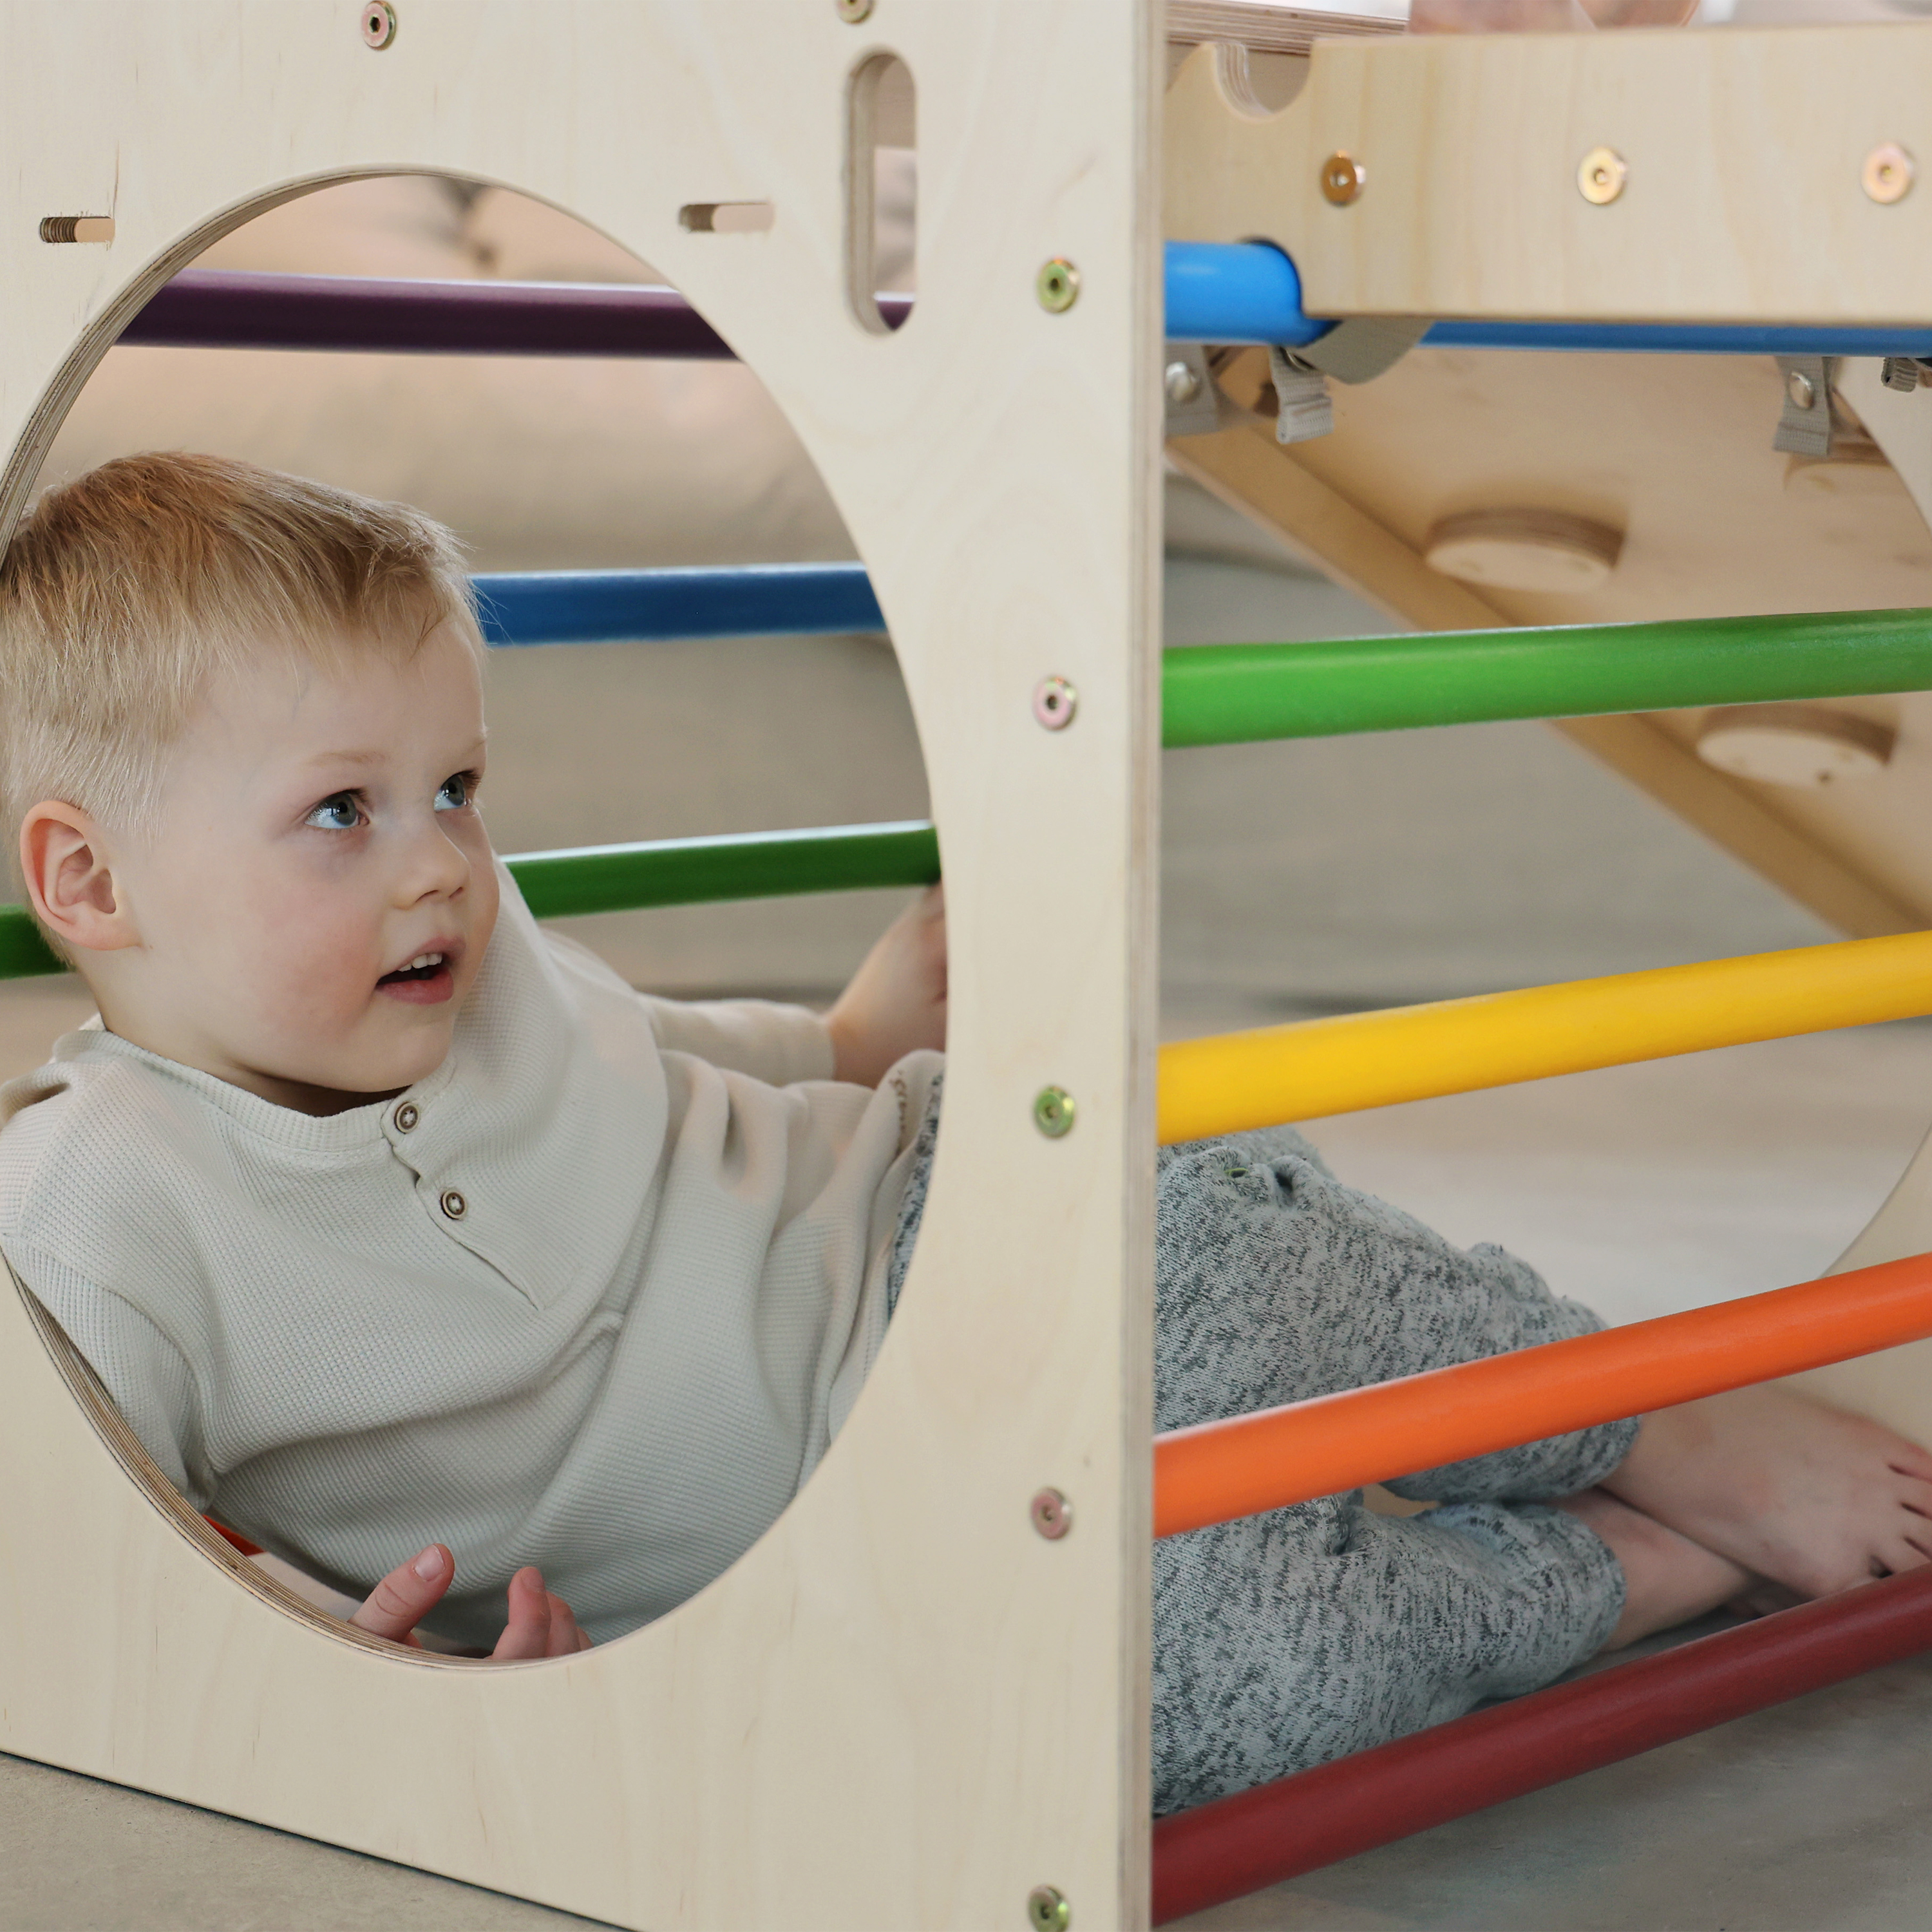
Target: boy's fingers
x=407, y=1594
x=527, y=1633
x=563, y=1631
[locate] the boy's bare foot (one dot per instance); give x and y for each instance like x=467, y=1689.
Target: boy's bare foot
x=1808, y=1496
x=1668, y=1579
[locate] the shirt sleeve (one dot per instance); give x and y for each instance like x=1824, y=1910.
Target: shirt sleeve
x=779, y=1044
x=145, y=1374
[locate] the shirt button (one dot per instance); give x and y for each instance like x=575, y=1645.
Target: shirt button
x=405, y=1116
x=454, y=1204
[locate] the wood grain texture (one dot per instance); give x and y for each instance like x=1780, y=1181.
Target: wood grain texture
x=901, y=1707
x=1743, y=202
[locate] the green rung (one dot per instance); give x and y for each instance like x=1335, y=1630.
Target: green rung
x=667, y=871
x=749, y=865
x=1235, y=694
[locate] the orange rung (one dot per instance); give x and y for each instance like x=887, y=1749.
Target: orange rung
x=1276, y=1456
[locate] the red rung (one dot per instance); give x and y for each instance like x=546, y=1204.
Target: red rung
x=1256, y=1838
x=228, y=1535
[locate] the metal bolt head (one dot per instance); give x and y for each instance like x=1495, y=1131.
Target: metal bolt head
x=1181, y=383
x=1600, y=175
x=1053, y=1111
x=1800, y=388
x=1054, y=701
x=379, y=23
x=1343, y=178
x=1052, y=1514
x=1047, y=1910
x=1057, y=285
x=1887, y=174
x=852, y=12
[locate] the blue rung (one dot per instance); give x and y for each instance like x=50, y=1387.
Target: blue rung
x=1249, y=292
x=1678, y=338
x=1236, y=292
x=601, y=607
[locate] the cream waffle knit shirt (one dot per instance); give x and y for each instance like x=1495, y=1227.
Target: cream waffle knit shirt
x=596, y=1295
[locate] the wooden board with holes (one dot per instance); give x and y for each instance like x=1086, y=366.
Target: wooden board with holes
x=1674, y=452
x=1743, y=155
x=902, y=1705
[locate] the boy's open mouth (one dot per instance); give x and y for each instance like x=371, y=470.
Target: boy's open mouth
x=426, y=979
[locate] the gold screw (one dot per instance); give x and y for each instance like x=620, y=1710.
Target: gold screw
x=1054, y=701
x=1053, y=1111
x=1057, y=285
x=1047, y=1910
x=379, y=23
x=1887, y=174
x=1600, y=175
x=1052, y=1514
x=852, y=12
x=1343, y=178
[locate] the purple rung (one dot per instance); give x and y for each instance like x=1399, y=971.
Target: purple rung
x=223, y=308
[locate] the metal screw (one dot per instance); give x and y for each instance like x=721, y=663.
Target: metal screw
x=1053, y=1111
x=406, y=1118
x=1047, y=1910
x=1800, y=388
x=379, y=23
x=1600, y=175
x=1183, y=384
x=1052, y=1514
x=1900, y=372
x=1887, y=174
x=1057, y=285
x=852, y=12
x=454, y=1204
x=1054, y=702
x=1343, y=178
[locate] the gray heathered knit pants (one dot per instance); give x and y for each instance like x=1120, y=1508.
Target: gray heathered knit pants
x=1281, y=1641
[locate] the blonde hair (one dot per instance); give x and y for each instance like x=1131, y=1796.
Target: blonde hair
x=123, y=592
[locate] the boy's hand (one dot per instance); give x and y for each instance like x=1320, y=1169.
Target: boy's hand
x=540, y=1623
x=896, y=1002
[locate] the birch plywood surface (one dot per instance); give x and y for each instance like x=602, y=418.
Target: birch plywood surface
x=1675, y=452
x=902, y=1707
x=1743, y=200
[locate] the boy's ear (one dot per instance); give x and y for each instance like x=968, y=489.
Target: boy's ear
x=70, y=879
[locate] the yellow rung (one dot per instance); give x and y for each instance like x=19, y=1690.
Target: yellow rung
x=1233, y=1080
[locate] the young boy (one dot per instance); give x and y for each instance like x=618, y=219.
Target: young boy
x=395, y=1225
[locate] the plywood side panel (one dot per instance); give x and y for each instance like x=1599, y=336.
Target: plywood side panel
x=901, y=1707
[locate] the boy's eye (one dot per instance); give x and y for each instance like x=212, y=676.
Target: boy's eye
x=339, y=813
x=455, y=794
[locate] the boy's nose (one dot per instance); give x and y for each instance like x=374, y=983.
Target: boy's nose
x=433, y=866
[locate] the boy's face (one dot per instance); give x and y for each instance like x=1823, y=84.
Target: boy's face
x=314, y=904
